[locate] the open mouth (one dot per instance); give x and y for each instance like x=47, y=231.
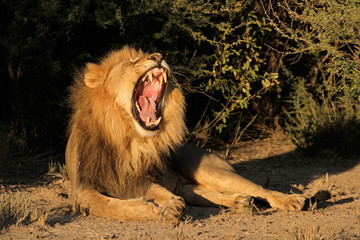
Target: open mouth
x=148, y=97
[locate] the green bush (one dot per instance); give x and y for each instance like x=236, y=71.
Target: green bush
x=325, y=110
x=320, y=125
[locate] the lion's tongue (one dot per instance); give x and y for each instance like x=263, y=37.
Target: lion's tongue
x=148, y=107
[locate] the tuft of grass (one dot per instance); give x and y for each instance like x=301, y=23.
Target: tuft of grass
x=15, y=209
x=52, y=167
x=178, y=235
x=188, y=219
x=309, y=232
x=58, y=169
x=62, y=170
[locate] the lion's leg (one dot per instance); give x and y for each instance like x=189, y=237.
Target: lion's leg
x=201, y=196
x=94, y=203
x=172, y=206
x=157, y=204
x=230, y=182
x=212, y=172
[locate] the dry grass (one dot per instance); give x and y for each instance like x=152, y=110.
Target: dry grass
x=16, y=209
x=304, y=231
x=57, y=169
x=177, y=235
x=188, y=219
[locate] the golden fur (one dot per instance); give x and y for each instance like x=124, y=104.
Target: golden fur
x=119, y=169
x=119, y=164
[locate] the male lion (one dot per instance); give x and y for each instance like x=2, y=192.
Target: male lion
x=125, y=156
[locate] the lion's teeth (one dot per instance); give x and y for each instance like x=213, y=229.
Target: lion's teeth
x=144, y=78
x=165, y=76
x=137, y=107
x=158, y=121
x=150, y=76
x=147, y=121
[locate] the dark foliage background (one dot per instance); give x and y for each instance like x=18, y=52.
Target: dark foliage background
x=250, y=67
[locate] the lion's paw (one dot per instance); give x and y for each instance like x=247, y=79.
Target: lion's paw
x=173, y=211
x=293, y=202
x=242, y=204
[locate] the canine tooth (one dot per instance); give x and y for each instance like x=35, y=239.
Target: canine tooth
x=144, y=78
x=150, y=76
x=165, y=76
x=137, y=107
x=158, y=121
x=147, y=121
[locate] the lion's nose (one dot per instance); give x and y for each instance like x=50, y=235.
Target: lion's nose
x=157, y=58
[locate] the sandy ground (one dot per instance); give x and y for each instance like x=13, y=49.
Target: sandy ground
x=276, y=165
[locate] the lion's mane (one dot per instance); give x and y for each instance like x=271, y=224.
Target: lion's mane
x=113, y=157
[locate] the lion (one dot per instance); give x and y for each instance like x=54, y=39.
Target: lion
x=126, y=156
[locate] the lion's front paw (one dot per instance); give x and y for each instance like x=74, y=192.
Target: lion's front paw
x=173, y=211
x=293, y=202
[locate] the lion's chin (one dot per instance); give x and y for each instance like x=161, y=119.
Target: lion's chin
x=143, y=132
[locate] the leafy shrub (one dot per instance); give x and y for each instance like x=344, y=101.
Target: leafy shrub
x=317, y=124
x=325, y=110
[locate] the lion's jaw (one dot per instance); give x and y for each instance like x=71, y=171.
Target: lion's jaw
x=148, y=96
x=148, y=77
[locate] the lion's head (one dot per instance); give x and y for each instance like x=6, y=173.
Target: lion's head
x=145, y=74
x=128, y=115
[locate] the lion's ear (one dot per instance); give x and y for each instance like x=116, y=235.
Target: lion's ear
x=94, y=75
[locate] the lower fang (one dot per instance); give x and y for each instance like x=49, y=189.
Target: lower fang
x=137, y=107
x=147, y=121
x=158, y=121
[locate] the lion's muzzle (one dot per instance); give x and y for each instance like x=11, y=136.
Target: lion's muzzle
x=148, y=96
